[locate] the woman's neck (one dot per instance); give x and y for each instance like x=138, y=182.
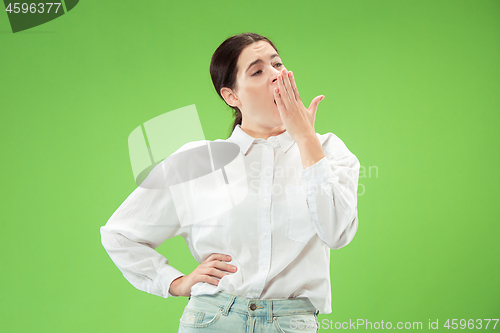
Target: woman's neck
x=263, y=132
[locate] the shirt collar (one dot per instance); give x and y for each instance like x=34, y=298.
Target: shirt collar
x=245, y=141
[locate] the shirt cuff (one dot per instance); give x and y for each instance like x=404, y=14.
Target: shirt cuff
x=318, y=173
x=169, y=274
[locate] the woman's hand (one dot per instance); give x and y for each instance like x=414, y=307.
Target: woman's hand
x=298, y=121
x=214, y=265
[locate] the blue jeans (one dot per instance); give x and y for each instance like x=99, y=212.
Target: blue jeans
x=223, y=312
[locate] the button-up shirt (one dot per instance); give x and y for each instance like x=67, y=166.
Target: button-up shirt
x=277, y=221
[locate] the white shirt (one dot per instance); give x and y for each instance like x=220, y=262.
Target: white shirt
x=278, y=223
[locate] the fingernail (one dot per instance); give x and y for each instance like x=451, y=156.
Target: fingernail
x=228, y=257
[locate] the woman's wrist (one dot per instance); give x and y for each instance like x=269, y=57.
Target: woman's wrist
x=174, y=286
x=310, y=150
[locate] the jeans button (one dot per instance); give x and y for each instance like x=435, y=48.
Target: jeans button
x=253, y=306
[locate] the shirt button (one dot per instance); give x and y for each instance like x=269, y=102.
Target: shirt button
x=265, y=235
x=253, y=306
x=265, y=201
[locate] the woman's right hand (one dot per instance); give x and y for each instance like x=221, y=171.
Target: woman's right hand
x=214, y=265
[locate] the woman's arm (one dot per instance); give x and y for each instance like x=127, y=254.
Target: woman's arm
x=331, y=186
x=142, y=223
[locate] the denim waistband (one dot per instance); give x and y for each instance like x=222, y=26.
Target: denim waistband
x=258, y=307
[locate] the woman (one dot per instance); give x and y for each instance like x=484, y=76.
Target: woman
x=264, y=263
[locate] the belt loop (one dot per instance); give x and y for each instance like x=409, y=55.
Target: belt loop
x=269, y=311
x=228, y=305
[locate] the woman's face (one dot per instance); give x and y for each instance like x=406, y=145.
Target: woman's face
x=258, y=66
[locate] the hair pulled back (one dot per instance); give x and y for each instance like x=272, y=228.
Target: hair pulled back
x=224, y=62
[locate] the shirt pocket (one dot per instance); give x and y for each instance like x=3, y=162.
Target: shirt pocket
x=299, y=225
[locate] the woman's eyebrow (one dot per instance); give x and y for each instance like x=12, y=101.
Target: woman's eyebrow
x=260, y=60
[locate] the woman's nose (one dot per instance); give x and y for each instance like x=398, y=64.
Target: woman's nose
x=275, y=74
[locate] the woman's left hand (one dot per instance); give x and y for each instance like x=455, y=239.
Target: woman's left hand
x=298, y=121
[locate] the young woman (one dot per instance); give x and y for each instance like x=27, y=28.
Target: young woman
x=265, y=262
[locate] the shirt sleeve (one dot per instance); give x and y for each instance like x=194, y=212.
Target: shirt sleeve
x=331, y=185
x=142, y=223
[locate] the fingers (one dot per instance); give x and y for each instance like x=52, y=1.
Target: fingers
x=209, y=274
x=287, y=88
x=219, y=268
x=288, y=85
x=208, y=279
x=213, y=272
x=218, y=256
x=215, y=267
x=294, y=87
x=287, y=82
x=285, y=99
x=279, y=101
x=217, y=260
x=225, y=266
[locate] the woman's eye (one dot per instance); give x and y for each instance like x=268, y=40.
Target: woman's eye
x=278, y=64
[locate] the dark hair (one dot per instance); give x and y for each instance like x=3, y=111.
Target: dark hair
x=224, y=61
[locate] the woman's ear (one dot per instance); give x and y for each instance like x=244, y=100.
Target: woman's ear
x=230, y=97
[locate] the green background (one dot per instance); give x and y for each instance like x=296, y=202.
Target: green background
x=412, y=88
